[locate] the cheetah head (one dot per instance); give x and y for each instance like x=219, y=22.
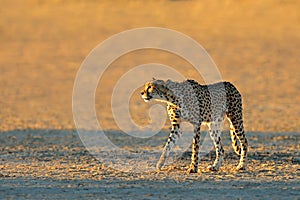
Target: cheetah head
x=155, y=89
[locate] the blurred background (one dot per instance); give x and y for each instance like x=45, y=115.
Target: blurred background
x=255, y=45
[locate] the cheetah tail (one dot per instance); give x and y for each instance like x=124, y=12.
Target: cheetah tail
x=235, y=144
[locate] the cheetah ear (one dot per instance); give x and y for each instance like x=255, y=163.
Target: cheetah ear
x=153, y=79
x=168, y=82
x=159, y=83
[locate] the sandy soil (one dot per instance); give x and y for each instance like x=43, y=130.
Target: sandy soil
x=55, y=164
x=254, y=44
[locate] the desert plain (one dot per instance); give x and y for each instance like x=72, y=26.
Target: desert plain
x=255, y=45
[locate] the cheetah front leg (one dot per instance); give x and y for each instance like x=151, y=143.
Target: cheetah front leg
x=195, y=151
x=174, y=135
x=215, y=134
x=174, y=116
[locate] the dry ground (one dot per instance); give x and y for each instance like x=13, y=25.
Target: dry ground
x=254, y=44
x=55, y=164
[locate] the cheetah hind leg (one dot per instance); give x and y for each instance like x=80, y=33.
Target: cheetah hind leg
x=215, y=134
x=237, y=130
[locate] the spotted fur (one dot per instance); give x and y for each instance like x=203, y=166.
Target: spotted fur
x=198, y=104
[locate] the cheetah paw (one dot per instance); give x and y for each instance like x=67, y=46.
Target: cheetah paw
x=159, y=165
x=212, y=168
x=240, y=168
x=192, y=170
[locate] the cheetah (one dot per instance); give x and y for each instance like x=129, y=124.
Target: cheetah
x=200, y=104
